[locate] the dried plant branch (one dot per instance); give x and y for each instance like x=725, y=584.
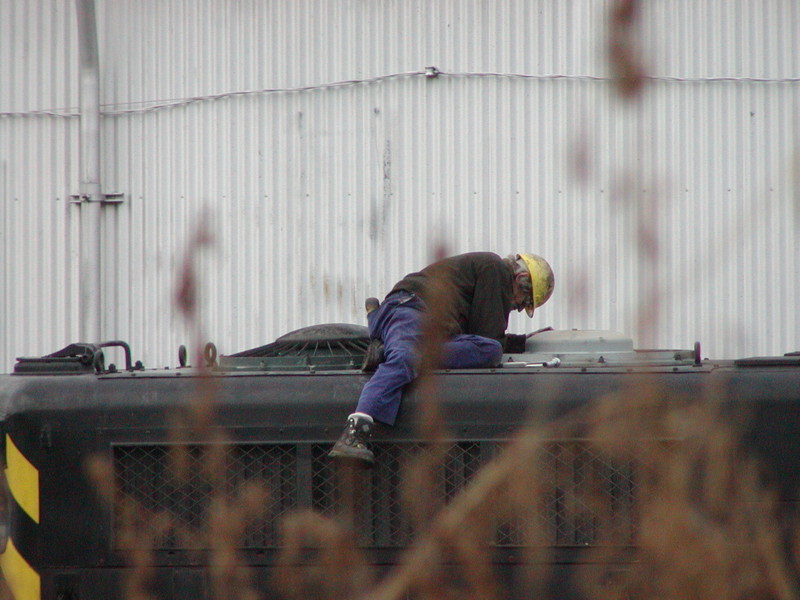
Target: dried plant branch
x=318, y=559
x=453, y=518
x=624, y=52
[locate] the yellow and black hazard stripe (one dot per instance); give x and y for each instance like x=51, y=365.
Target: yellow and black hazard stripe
x=23, y=485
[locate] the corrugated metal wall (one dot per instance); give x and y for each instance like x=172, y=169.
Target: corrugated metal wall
x=328, y=164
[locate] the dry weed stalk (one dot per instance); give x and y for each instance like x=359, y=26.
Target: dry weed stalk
x=624, y=52
x=420, y=501
x=471, y=511
x=138, y=530
x=708, y=526
x=319, y=560
x=228, y=511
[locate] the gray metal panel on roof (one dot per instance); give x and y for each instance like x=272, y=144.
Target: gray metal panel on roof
x=329, y=165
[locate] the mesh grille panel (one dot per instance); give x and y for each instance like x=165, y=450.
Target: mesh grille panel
x=176, y=486
x=376, y=493
x=587, y=499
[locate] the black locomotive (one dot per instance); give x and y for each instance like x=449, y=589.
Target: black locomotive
x=113, y=471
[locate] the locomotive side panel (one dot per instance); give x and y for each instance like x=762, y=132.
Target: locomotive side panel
x=120, y=455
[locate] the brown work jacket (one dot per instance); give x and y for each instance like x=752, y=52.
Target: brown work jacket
x=478, y=295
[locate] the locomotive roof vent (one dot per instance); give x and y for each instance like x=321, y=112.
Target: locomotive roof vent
x=593, y=347
x=335, y=346
x=584, y=341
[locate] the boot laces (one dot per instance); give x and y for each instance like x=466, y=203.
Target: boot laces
x=358, y=431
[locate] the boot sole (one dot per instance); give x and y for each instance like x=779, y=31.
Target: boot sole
x=367, y=461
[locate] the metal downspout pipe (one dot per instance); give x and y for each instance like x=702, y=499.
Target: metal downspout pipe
x=91, y=194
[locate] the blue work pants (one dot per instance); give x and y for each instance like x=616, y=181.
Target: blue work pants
x=397, y=322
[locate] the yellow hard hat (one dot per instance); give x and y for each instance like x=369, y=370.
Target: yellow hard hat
x=542, y=280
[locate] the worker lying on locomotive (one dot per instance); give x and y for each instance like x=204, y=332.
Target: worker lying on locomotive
x=484, y=289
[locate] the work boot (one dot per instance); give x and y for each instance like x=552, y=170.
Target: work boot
x=371, y=304
x=374, y=356
x=352, y=444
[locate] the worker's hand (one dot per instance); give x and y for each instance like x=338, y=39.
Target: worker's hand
x=530, y=335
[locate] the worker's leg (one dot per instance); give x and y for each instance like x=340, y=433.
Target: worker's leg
x=398, y=325
x=471, y=352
